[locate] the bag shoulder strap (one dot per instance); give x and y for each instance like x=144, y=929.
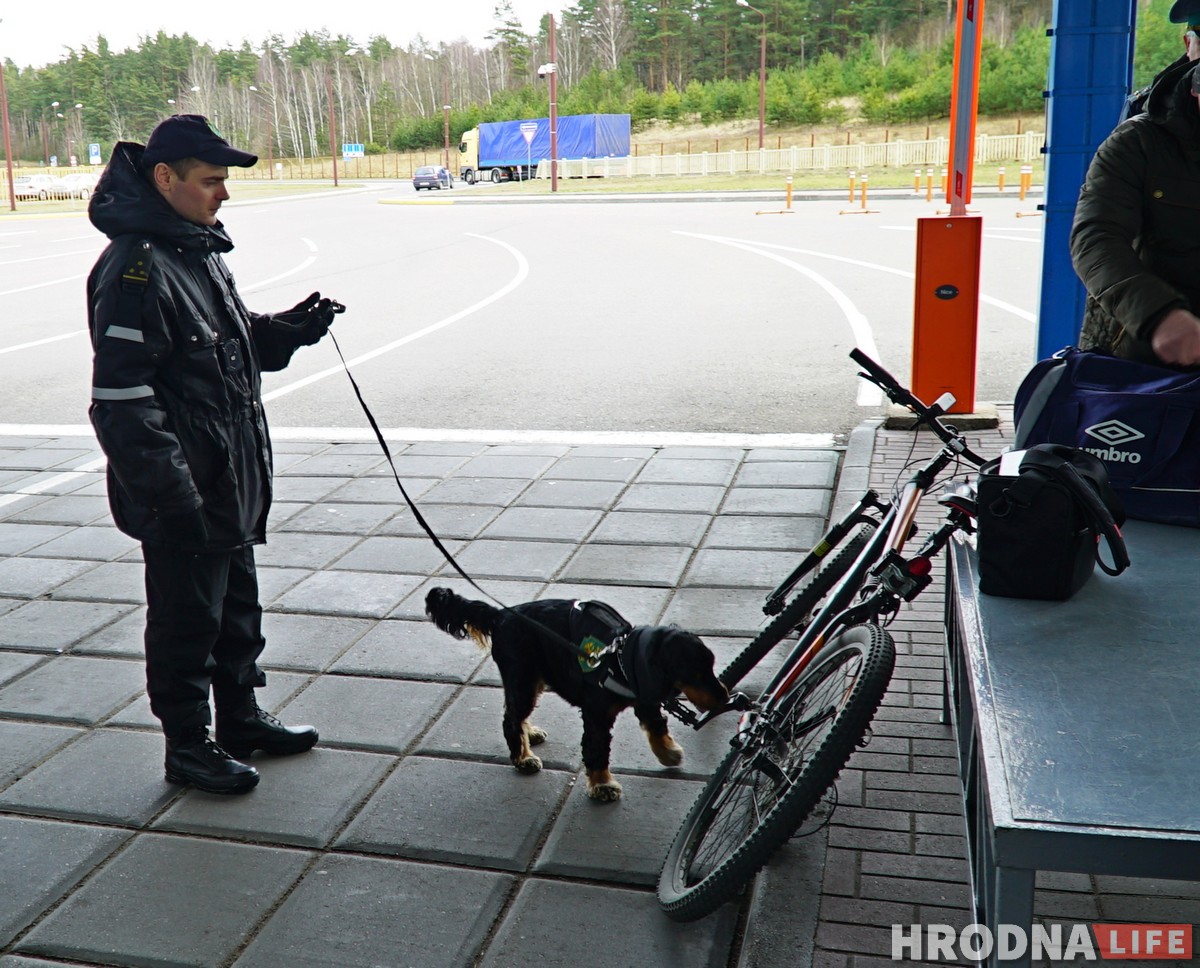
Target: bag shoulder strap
x=1058, y=467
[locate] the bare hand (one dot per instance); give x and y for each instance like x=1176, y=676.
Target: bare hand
x=1176, y=339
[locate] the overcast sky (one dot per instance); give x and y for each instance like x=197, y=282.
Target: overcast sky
x=36, y=34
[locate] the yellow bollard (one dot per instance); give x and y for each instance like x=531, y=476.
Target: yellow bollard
x=851, y=186
x=945, y=183
x=1026, y=179
x=916, y=181
x=1001, y=179
x=864, y=190
x=789, y=193
x=929, y=184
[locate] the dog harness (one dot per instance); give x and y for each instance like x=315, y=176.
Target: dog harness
x=617, y=653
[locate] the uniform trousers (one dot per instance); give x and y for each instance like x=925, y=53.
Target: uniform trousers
x=203, y=629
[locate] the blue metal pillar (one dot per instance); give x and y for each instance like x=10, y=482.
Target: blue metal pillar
x=1091, y=72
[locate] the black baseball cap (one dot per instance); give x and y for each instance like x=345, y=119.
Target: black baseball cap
x=191, y=136
x=1185, y=12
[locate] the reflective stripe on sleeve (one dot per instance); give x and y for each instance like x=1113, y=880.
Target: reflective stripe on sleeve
x=124, y=332
x=121, y=393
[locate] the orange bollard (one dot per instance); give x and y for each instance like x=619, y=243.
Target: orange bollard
x=851, y=187
x=1026, y=179
x=945, y=183
x=1001, y=179
x=916, y=181
x=929, y=184
x=789, y=192
x=864, y=190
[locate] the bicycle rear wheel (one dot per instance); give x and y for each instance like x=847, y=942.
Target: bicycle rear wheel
x=780, y=766
x=797, y=613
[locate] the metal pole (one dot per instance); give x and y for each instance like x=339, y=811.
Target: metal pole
x=762, y=80
x=332, y=126
x=553, y=112
x=446, y=120
x=12, y=198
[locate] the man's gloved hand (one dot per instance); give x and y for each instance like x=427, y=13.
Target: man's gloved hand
x=309, y=319
x=187, y=530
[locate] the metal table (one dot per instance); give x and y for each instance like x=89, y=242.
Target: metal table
x=1078, y=723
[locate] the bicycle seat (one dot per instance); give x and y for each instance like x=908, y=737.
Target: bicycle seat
x=960, y=496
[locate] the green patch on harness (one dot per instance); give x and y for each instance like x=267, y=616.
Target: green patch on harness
x=594, y=649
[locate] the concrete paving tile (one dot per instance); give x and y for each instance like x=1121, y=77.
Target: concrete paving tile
x=792, y=453
x=41, y=860
x=356, y=593
x=293, y=488
x=612, y=450
x=15, y=961
x=638, y=604
x=789, y=473
x=21, y=504
x=639, y=934
x=464, y=448
x=280, y=687
x=275, y=582
x=91, y=543
x=76, y=689
x=476, y=490
x=111, y=581
x=24, y=744
x=777, y=500
x=549, y=524
x=508, y=592
x=16, y=539
x=308, y=642
x=412, y=465
x=701, y=452
x=124, y=637
x=498, y=558
x=336, y=463
x=40, y=459
x=385, y=715
x=34, y=577
x=525, y=467
x=624, y=841
x=68, y=509
x=109, y=776
x=717, y=611
x=628, y=564
x=703, y=750
x=48, y=625
x=298, y=549
x=739, y=568
x=538, y=449
x=651, y=527
x=471, y=728
x=411, y=650
x=128, y=915
x=764, y=532
x=351, y=519
x=13, y=664
x=397, y=555
x=671, y=497
x=301, y=800
x=447, y=520
x=382, y=490
x=418, y=914
x=571, y=494
x=446, y=811
x=679, y=470
x=623, y=467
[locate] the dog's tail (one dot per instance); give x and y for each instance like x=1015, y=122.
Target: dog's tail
x=461, y=617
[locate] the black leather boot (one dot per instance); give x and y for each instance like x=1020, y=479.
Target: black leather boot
x=194, y=758
x=242, y=728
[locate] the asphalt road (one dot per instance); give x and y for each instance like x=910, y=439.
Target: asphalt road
x=647, y=316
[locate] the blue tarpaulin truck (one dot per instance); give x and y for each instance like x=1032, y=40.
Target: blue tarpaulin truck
x=504, y=150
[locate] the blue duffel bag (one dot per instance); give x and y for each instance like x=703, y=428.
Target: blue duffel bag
x=1142, y=421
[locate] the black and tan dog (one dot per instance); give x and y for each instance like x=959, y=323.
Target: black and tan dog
x=652, y=665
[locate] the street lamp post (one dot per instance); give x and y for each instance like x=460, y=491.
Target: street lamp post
x=12, y=197
x=446, y=119
x=762, y=70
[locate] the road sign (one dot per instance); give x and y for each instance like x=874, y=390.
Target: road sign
x=93, y=154
x=353, y=151
x=528, y=130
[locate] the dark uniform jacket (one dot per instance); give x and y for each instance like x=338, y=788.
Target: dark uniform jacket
x=176, y=400
x=1135, y=241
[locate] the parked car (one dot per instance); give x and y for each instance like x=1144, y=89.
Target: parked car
x=431, y=177
x=79, y=184
x=33, y=186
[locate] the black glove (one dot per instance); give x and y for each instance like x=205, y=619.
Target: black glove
x=187, y=530
x=309, y=319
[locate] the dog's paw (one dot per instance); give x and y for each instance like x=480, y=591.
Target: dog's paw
x=530, y=764
x=536, y=735
x=668, y=752
x=607, y=792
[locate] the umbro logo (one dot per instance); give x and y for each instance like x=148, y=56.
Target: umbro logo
x=1113, y=432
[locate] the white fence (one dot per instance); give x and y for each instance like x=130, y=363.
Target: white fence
x=892, y=154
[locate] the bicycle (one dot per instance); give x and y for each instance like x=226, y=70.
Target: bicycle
x=791, y=743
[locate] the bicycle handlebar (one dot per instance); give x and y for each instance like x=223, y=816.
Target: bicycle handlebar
x=930, y=416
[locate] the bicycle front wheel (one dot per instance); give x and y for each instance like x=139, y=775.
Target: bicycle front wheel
x=782, y=763
x=799, y=611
